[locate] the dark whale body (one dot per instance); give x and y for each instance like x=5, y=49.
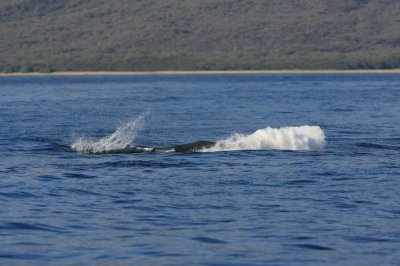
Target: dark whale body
x=188, y=147
x=194, y=146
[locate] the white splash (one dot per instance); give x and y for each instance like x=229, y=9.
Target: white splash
x=284, y=138
x=123, y=136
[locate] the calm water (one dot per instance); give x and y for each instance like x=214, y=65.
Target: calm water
x=335, y=206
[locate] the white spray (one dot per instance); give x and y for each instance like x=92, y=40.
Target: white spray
x=285, y=138
x=123, y=136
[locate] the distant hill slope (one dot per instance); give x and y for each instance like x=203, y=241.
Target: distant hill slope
x=47, y=35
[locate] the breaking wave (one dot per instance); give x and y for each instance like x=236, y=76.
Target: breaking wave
x=284, y=138
x=122, y=137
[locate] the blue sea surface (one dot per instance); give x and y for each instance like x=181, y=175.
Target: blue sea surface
x=339, y=205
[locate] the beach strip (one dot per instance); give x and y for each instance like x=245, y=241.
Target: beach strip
x=205, y=72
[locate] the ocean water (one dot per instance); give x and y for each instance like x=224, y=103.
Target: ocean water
x=305, y=170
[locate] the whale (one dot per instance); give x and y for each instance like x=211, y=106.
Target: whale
x=187, y=147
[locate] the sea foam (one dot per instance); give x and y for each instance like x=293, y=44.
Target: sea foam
x=284, y=138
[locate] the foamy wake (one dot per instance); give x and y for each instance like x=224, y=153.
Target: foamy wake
x=284, y=138
x=123, y=136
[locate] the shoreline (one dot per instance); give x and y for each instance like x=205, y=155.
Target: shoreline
x=204, y=72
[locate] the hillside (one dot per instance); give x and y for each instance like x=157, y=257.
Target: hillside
x=57, y=35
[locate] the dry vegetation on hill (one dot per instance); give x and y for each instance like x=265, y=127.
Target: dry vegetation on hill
x=49, y=35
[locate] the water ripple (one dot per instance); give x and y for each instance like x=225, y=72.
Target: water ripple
x=378, y=146
x=30, y=227
x=209, y=240
x=314, y=247
x=79, y=176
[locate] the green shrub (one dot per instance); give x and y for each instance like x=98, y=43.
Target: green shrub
x=24, y=68
x=8, y=69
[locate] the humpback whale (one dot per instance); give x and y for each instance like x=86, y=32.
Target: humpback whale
x=188, y=147
x=194, y=146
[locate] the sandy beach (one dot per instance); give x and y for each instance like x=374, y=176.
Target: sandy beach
x=201, y=72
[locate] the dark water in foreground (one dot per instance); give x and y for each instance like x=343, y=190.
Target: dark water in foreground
x=335, y=206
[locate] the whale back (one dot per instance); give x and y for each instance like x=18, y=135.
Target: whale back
x=188, y=147
x=194, y=146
